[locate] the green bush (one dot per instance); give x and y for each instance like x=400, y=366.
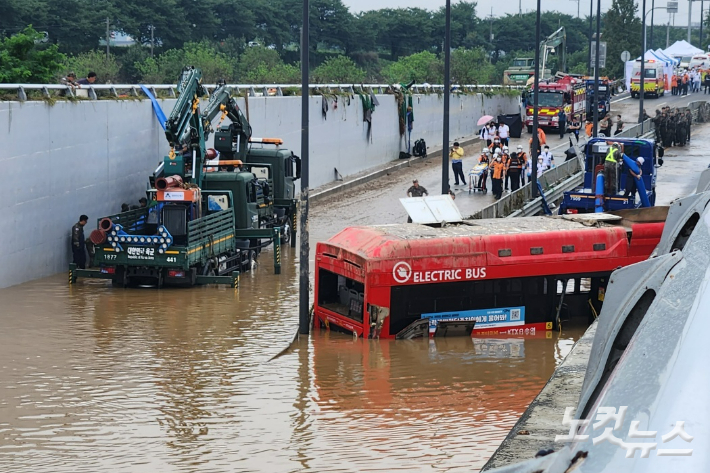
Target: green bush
x=24, y=58
x=339, y=69
x=107, y=69
x=166, y=68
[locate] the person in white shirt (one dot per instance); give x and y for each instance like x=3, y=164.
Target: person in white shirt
x=485, y=136
x=504, y=133
x=547, y=159
x=492, y=133
x=540, y=166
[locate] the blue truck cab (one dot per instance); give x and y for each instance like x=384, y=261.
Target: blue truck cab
x=584, y=199
x=604, y=100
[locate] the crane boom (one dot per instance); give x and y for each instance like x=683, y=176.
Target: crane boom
x=559, y=37
x=187, y=128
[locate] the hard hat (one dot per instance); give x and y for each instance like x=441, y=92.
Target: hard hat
x=487, y=151
x=640, y=160
x=520, y=147
x=497, y=151
x=505, y=148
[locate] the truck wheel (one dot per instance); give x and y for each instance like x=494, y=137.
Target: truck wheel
x=285, y=233
x=119, y=278
x=530, y=129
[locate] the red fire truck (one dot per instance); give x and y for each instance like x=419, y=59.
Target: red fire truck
x=565, y=93
x=509, y=276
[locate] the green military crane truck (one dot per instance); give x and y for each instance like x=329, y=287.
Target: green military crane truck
x=211, y=211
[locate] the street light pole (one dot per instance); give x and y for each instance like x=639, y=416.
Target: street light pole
x=595, y=102
x=447, y=92
x=536, y=87
x=304, y=321
x=653, y=7
x=642, y=88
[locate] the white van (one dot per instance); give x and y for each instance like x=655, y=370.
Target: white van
x=702, y=60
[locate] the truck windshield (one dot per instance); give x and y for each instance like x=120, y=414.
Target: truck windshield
x=522, y=63
x=549, y=99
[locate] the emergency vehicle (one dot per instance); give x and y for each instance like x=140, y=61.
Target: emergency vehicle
x=654, y=81
x=565, y=93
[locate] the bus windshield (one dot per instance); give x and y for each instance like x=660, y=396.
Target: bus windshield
x=549, y=99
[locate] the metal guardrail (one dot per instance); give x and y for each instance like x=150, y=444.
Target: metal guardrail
x=253, y=90
x=555, y=182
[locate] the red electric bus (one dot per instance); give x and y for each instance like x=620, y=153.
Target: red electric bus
x=510, y=276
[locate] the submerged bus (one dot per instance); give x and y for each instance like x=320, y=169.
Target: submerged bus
x=509, y=276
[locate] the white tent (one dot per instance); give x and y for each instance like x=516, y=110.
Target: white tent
x=659, y=52
x=681, y=48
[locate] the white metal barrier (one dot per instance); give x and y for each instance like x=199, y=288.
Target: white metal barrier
x=265, y=90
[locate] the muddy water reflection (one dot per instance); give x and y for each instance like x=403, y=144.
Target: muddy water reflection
x=180, y=380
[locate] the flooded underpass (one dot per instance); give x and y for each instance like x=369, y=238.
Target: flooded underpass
x=94, y=378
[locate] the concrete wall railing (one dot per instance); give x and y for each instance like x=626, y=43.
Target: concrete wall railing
x=87, y=157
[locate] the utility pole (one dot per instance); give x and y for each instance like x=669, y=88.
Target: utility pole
x=690, y=13
x=304, y=296
x=490, y=34
x=152, y=39
x=520, y=7
x=668, y=32
x=536, y=88
x=108, y=36
x=595, y=107
x=653, y=5
x=642, y=87
x=589, y=52
x=447, y=94
x=700, y=35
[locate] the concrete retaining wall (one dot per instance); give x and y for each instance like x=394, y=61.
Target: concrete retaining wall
x=62, y=160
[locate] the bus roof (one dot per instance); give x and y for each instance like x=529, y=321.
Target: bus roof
x=398, y=240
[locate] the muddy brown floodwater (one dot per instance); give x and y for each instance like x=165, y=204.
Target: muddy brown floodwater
x=100, y=379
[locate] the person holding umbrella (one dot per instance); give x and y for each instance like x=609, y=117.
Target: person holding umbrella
x=487, y=120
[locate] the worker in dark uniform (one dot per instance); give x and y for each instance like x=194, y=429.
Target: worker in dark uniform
x=689, y=121
x=416, y=191
x=611, y=170
x=657, y=126
x=515, y=168
x=78, y=244
x=143, y=202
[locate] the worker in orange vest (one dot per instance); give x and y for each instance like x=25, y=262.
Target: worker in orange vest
x=685, y=84
x=497, y=175
x=674, y=84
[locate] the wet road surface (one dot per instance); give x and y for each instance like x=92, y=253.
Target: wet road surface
x=100, y=379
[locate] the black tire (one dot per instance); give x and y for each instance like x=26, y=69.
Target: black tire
x=530, y=129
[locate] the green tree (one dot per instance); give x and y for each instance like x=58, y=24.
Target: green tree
x=419, y=67
x=622, y=31
x=166, y=68
x=401, y=31
x=107, y=69
x=471, y=66
x=465, y=25
x=23, y=58
x=262, y=65
x=338, y=69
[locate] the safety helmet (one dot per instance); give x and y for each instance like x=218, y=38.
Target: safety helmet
x=486, y=151
x=640, y=160
x=520, y=148
x=505, y=148
x=497, y=151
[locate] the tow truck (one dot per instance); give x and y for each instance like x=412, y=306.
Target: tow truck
x=591, y=197
x=209, y=208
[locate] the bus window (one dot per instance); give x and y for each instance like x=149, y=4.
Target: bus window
x=342, y=295
x=408, y=303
